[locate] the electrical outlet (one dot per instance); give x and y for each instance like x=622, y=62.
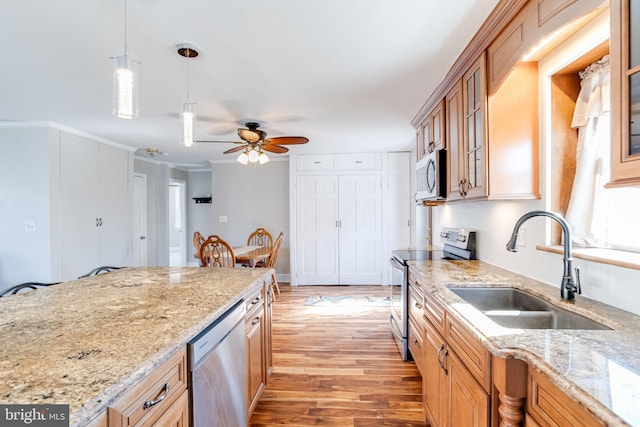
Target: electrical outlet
x=522, y=237
x=222, y=219
x=30, y=226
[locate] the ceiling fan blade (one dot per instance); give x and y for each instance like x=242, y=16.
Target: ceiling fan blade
x=274, y=148
x=250, y=135
x=287, y=140
x=234, y=149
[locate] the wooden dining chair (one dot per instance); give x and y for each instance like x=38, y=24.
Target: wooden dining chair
x=260, y=237
x=273, y=260
x=25, y=287
x=215, y=252
x=198, y=240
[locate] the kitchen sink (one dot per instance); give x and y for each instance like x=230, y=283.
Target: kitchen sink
x=513, y=308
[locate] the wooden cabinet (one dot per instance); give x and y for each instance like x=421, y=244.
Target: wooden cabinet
x=161, y=398
x=431, y=133
x=625, y=91
x=548, y=405
x=457, y=378
x=255, y=348
x=416, y=326
x=96, y=219
x=466, y=112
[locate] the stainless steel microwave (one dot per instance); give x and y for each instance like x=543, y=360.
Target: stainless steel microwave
x=431, y=176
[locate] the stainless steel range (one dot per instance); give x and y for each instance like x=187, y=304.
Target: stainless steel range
x=458, y=243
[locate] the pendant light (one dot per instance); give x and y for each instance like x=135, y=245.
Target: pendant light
x=187, y=117
x=125, y=84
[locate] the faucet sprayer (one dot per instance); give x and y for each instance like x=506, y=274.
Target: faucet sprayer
x=569, y=286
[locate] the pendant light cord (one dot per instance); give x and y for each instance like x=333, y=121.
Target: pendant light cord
x=125, y=27
x=188, y=58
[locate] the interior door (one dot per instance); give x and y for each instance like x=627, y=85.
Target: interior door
x=360, y=230
x=139, y=220
x=317, y=233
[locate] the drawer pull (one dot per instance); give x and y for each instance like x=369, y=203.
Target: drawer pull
x=255, y=301
x=417, y=344
x=440, y=351
x=255, y=321
x=418, y=305
x=149, y=403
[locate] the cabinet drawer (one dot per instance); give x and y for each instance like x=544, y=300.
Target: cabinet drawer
x=137, y=406
x=548, y=405
x=254, y=302
x=434, y=313
x=416, y=345
x=416, y=305
x=471, y=352
x=360, y=161
x=316, y=162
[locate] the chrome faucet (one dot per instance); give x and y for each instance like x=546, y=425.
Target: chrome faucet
x=569, y=286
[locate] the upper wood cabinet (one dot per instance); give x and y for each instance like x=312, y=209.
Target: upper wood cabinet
x=431, y=133
x=625, y=93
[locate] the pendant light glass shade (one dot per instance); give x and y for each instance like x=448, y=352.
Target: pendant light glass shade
x=263, y=158
x=243, y=158
x=125, y=89
x=188, y=118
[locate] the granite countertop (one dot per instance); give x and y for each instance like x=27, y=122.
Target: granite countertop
x=87, y=341
x=600, y=369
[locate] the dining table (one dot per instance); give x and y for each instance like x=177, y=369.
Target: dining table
x=251, y=255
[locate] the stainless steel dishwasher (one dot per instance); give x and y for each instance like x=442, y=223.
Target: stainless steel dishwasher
x=217, y=371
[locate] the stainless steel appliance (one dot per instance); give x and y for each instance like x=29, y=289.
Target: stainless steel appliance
x=457, y=244
x=431, y=176
x=217, y=370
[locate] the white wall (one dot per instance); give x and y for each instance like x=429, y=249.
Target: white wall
x=251, y=197
x=25, y=195
x=200, y=215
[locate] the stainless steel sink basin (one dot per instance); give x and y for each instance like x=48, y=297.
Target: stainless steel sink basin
x=513, y=308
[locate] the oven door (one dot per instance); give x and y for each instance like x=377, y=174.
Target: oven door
x=398, y=318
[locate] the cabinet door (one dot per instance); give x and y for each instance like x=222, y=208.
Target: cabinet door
x=437, y=127
x=177, y=415
x=455, y=141
x=114, y=206
x=360, y=229
x=317, y=229
x=434, y=380
x=625, y=90
x=474, y=105
x=79, y=204
x=469, y=401
x=255, y=365
x=426, y=133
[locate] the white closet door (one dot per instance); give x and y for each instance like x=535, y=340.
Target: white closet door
x=79, y=195
x=317, y=231
x=115, y=209
x=360, y=234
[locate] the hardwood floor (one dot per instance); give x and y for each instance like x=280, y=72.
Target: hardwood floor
x=337, y=366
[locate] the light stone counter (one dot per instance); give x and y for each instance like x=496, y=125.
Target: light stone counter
x=86, y=342
x=598, y=369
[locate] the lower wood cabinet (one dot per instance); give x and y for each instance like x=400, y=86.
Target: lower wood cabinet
x=160, y=396
x=258, y=344
x=548, y=405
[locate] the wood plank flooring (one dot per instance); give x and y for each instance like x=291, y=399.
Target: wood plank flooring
x=337, y=366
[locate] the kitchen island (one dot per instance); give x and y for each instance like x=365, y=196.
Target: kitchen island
x=86, y=342
x=598, y=369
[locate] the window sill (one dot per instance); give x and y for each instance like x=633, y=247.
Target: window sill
x=604, y=256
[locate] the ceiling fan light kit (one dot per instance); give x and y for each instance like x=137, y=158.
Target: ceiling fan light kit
x=125, y=84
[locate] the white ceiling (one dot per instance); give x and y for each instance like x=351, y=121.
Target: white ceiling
x=347, y=74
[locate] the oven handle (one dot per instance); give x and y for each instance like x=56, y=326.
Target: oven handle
x=395, y=264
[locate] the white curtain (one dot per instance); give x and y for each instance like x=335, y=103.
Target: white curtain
x=587, y=212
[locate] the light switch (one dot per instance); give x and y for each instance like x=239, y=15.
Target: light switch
x=30, y=226
x=222, y=219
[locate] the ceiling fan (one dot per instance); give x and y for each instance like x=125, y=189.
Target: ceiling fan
x=255, y=142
